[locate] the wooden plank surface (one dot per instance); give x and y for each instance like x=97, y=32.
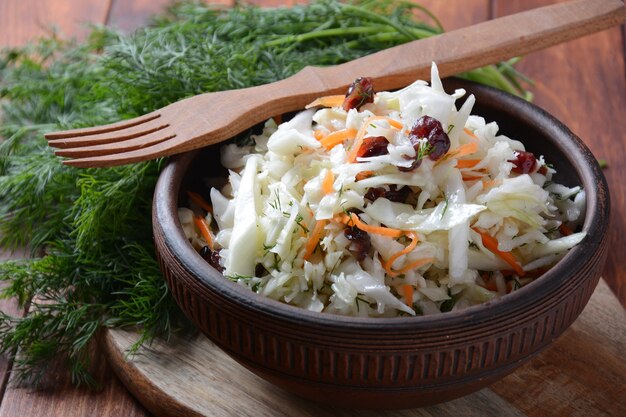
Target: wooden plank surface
x=23, y=20
x=10, y=307
x=193, y=377
x=581, y=82
x=59, y=398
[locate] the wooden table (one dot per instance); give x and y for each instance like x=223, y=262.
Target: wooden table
x=581, y=82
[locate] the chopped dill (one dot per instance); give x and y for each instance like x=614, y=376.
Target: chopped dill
x=424, y=149
x=236, y=278
x=445, y=207
x=363, y=300
x=299, y=219
x=268, y=248
x=276, y=204
x=276, y=262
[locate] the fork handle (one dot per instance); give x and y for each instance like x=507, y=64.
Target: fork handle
x=467, y=48
x=454, y=52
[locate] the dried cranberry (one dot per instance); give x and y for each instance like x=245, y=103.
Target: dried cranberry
x=375, y=193
x=373, y=146
x=394, y=193
x=439, y=144
x=416, y=163
x=361, y=242
x=212, y=257
x=360, y=92
x=524, y=162
x=423, y=127
x=259, y=270
x=543, y=170
x=438, y=140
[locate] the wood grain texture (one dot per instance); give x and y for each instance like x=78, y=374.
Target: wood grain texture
x=194, y=378
x=24, y=20
x=582, y=83
x=10, y=307
x=583, y=373
x=474, y=11
x=60, y=398
x=130, y=15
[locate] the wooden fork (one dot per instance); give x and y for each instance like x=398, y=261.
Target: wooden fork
x=210, y=118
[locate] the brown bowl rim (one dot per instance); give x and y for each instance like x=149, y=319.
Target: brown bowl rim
x=570, y=146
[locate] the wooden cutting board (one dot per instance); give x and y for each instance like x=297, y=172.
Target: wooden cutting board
x=582, y=374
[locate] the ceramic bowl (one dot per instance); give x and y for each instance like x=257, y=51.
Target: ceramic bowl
x=391, y=362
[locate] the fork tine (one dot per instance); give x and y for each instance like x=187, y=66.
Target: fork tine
x=112, y=127
x=118, y=147
x=157, y=150
x=110, y=137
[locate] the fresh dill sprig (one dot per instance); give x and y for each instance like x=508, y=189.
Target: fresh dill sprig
x=89, y=231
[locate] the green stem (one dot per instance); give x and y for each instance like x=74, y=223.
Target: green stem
x=326, y=33
x=377, y=18
x=394, y=37
x=427, y=13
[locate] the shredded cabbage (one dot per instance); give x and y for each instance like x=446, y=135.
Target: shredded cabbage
x=300, y=223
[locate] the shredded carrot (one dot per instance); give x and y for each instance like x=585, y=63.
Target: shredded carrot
x=327, y=101
x=467, y=163
x=389, y=262
x=356, y=145
x=467, y=149
x=378, y=230
x=318, y=134
x=565, y=231
x=202, y=225
x=492, y=244
x=469, y=132
x=314, y=239
x=335, y=138
x=471, y=177
x=278, y=119
x=488, y=282
x=491, y=183
x=408, y=294
x=392, y=122
x=327, y=183
x=199, y=201
x=358, y=141
x=416, y=264
x=363, y=175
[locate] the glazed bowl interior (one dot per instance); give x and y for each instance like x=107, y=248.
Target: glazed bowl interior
x=554, y=300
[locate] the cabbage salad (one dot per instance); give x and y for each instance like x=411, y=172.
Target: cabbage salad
x=384, y=204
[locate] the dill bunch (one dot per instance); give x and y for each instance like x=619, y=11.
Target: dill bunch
x=92, y=261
